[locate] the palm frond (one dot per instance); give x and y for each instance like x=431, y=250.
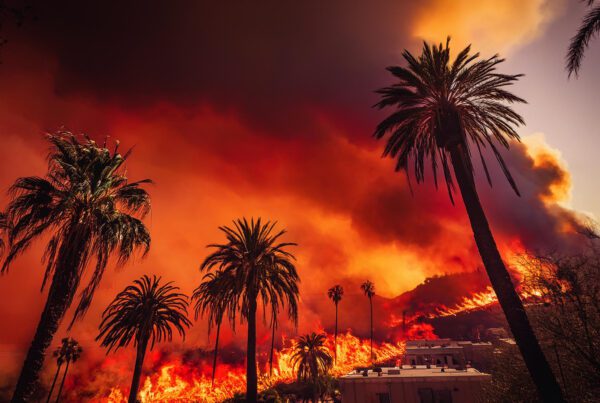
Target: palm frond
x=589, y=28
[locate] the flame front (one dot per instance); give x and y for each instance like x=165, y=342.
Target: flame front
x=476, y=301
x=175, y=382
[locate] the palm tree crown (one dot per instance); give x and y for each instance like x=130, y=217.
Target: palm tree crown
x=368, y=288
x=145, y=311
x=87, y=204
x=69, y=351
x=335, y=293
x=589, y=27
x=311, y=357
x=466, y=96
x=258, y=264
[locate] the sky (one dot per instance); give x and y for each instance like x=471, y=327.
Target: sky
x=264, y=109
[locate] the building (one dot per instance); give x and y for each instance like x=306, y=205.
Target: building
x=409, y=384
x=449, y=353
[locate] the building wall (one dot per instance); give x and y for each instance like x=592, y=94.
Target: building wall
x=406, y=390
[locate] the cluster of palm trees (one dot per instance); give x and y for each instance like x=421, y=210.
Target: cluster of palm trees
x=444, y=111
x=68, y=352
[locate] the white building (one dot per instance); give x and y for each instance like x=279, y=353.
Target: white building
x=413, y=385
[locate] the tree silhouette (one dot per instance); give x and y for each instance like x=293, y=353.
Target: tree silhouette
x=311, y=359
x=368, y=289
x=442, y=110
x=214, y=297
x=263, y=269
x=335, y=294
x=589, y=28
x=90, y=211
x=145, y=312
x=68, y=352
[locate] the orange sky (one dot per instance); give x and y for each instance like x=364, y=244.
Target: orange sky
x=271, y=118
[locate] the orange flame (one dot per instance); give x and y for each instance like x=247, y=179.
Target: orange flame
x=476, y=301
x=173, y=383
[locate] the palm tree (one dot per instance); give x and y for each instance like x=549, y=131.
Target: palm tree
x=89, y=210
x=68, y=352
x=588, y=29
x=71, y=352
x=145, y=312
x=442, y=110
x=214, y=297
x=311, y=359
x=335, y=294
x=261, y=268
x=368, y=289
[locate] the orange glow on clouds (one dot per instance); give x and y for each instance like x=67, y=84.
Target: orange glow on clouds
x=492, y=26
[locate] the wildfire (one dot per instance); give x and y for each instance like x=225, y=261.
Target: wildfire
x=175, y=382
x=476, y=301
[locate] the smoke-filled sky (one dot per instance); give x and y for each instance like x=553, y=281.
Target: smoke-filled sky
x=264, y=109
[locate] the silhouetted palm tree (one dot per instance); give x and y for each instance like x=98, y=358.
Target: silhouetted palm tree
x=68, y=352
x=335, y=294
x=88, y=209
x=588, y=29
x=262, y=269
x=215, y=297
x=311, y=359
x=443, y=110
x=369, y=290
x=145, y=312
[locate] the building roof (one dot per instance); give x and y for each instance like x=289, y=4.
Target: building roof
x=432, y=346
x=420, y=371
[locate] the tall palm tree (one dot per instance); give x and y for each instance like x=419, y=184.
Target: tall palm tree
x=335, y=294
x=442, y=110
x=368, y=289
x=263, y=269
x=311, y=359
x=214, y=297
x=145, y=312
x=68, y=352
x=588, y=29
x=89, y=211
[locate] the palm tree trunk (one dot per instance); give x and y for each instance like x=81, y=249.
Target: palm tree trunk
x=335, y=335
x=251, y=373
x=511, y=304
x=54, y=310
x=62, y=289
x=272, y=347
x=62, y=383
x=214, y=369
x=371, y=304
x=54, y=382
x=137, y=373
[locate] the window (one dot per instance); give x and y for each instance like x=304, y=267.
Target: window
x=426, y=395
x=384, y=397
x=443, y=396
